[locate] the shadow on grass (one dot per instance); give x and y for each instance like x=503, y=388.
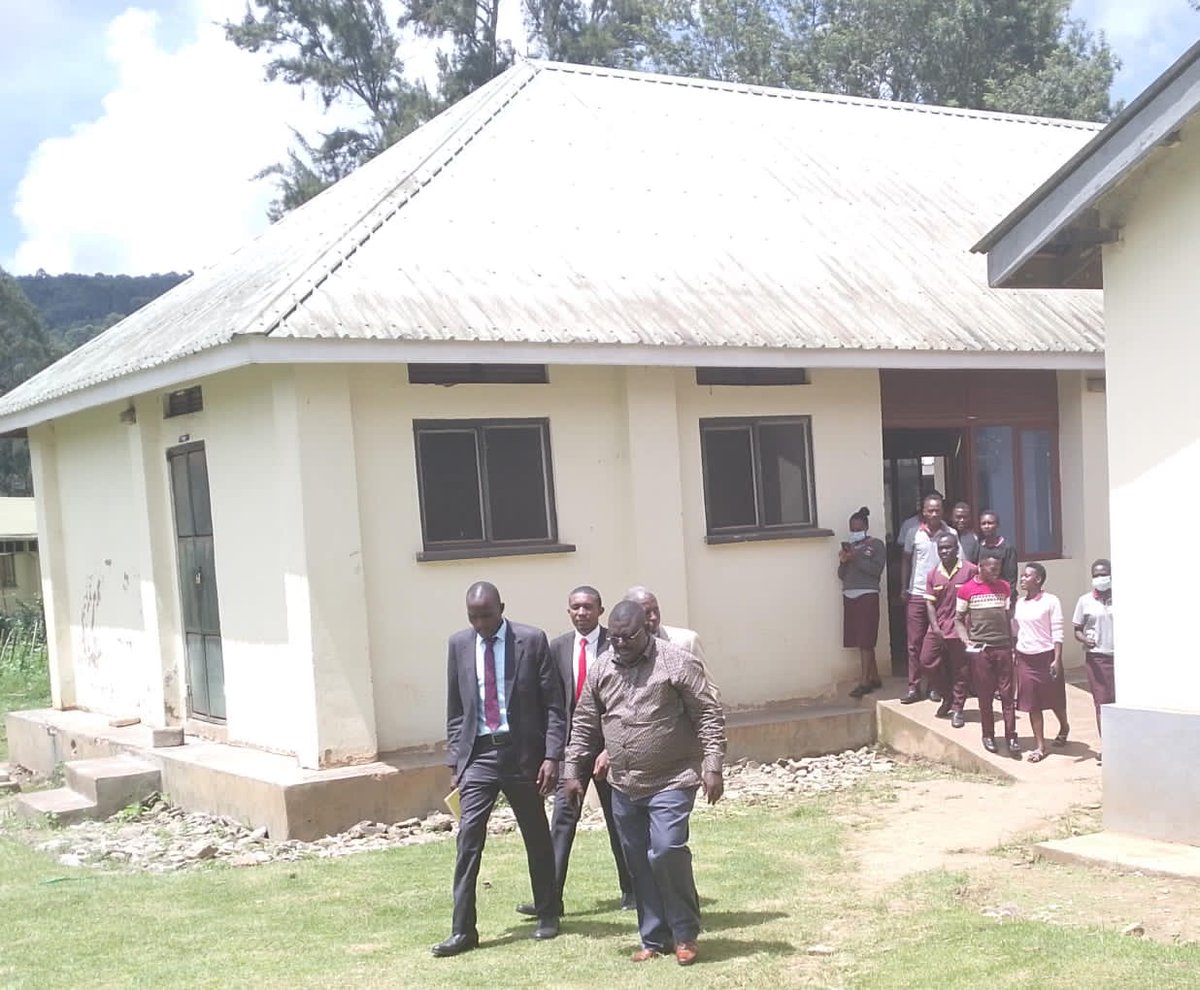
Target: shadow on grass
x=720, y=949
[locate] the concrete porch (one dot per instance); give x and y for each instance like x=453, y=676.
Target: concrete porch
x=260, y=788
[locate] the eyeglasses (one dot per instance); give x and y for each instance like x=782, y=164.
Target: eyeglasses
x=618, y=638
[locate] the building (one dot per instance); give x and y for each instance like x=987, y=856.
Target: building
x=20, y=576
x=585, y=326
x=1121, y=215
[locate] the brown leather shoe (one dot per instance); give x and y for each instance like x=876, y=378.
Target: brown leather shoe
x=685, y=953
x=643, y=955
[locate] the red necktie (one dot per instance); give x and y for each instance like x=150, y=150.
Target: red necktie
x=581, y=674
x=491, y=700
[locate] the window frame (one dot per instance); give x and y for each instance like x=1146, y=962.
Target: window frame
x=759, y=531
x=8, y=570
x=488, y=546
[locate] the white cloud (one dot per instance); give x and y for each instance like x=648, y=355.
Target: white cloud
x=1147, y=35
x=162, y=179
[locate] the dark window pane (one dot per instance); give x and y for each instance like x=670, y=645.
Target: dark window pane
x=182, y=495
x=197, y=668
x=214, y=664
x=198, y=482
x=516, y=476
x=1037, y=492
x=450, y=486
x=729, y=477
x=784, y=457
x=463, y=374
x=995, y=484
x=751, y=376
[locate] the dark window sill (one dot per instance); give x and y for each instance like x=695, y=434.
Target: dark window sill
x=800, y=533
x=508, y=550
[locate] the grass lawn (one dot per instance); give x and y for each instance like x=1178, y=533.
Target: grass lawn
x=20, y=690
x=774, y=882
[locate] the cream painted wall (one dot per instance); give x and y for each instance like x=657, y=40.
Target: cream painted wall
x=1151, y=298
x=770, y=613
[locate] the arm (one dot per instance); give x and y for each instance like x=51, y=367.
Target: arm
x=551, y=689
x=1056, y=634
x=962, y=621
x=1081, y=635
x=905, y=572
x=587, y=740
x=931, y=608
x=871, y=559
x=708, y=718
x=454, y=714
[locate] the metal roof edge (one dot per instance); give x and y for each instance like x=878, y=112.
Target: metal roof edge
x=1130, y=137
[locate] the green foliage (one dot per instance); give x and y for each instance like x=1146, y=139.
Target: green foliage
x=23, y=639
x=477, y=54
x=24, y=348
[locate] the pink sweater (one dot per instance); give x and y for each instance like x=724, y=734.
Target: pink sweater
x=1039, y=623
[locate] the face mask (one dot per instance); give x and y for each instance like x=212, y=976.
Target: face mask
x=1102, y=583
x=856, y=537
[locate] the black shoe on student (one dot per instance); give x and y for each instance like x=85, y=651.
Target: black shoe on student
x=914, y=695
x=943, y=709
x=989, y=744
x=455, y=945
x=1014, y=746
x=531, y=912
x=547, y=928
x=628, y=902
x=859, y=691
x=935, y=696
x=956, y=720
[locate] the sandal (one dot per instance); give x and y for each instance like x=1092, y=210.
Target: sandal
x=1061, y=739
x=1036, y=756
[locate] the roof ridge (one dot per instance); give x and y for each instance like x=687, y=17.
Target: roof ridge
x=276, y=312
x=776, y=92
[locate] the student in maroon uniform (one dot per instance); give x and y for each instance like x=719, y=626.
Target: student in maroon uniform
x=942, y=655
x=860, y=562
x=982, y=619
x=920, y=557
x=963, y=521
x=990, y=539
x=1039, y=620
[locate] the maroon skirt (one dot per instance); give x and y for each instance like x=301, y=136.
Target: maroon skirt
x=860, y=621
x=1037, y=691
x=1101, y=678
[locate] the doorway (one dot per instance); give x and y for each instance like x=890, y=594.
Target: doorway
x=197, y=581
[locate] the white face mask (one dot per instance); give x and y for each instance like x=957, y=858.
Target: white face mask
x=1102, y=583
x=856, y=537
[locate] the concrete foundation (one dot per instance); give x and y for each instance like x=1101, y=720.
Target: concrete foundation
x=1151, y=775
x=1127, y=852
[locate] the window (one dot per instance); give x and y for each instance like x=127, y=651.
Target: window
x=183, y=401
x=477, y=374
x=1016, y=473
x=751, y=376
x=8, y=571
x=486, y=488
x=758, y=479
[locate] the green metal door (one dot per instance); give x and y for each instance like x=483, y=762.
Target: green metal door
x=197, y=581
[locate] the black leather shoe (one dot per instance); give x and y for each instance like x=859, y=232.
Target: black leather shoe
x=912, y=697
x=935, y=696
x=989, y=744
x=628, y=902
x=1014, y=746
x=943, y=710
x=956, y=720
x=546, y=929
x=456, y=945
x=531, y=912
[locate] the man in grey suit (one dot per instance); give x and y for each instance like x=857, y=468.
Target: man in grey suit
x=574, y=654
x=689, y=639
x=505, y=732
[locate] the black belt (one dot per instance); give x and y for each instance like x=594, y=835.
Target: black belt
x=494, y=740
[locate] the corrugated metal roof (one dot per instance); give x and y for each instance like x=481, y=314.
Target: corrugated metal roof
x=566, y=205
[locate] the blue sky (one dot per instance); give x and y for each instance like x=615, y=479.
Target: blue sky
x=131, y=132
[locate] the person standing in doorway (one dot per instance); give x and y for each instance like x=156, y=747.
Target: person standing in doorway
x=920, y=557
x=505, y=733
x=1038, y=659
x=860, y=564
x=574, y=654
x=983, y=621
x=990, y=539
x=649, y=704
x=963, y=521
x=1093, y=621
x=942, y=654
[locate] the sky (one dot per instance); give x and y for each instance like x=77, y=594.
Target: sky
x=131, y=133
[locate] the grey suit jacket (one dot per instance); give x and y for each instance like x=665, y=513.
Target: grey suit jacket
x=534, y=698
x=561, y=649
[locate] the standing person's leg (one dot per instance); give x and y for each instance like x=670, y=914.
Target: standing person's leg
x=984, y=676
x=604, y=793
x=530, y=811
x=1004, y=684
x=916, y=624
x=633, y=826
x=477, y=788
x=671, y=860
x=564, y=819
x=1101, y=681
x=956, y=660
x=1031, y=675
x=935, y=666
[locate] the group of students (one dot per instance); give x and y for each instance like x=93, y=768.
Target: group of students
x=972, y=625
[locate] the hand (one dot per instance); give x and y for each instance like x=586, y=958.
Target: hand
x=547, y=777
x=600, y=769
x=453, y=781
x=714, y=785
x=1056, y=669
x=573, y=791
x=844, y=556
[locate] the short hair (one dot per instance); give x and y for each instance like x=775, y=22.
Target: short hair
x=947, y=536
x=483, y=589
x=991, y=553
x=961, y=505
x=1101, y=560
x=1037, y=569
x=932, y=497
x=990, y=512
x=636, y=592
x=627, y=610
x=585, y=589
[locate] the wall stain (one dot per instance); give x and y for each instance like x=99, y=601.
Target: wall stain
x=89, y=641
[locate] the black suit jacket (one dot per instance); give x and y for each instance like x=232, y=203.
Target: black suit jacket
x=533, y=692
x=561, y=649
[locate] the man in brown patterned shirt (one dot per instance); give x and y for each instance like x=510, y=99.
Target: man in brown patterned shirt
x=648, y=702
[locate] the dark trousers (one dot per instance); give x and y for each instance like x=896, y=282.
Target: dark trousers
x=944, y=662
x=490, y=772
x=916, y=625
x=564, y=821
x=992, y=671
x=654, y=835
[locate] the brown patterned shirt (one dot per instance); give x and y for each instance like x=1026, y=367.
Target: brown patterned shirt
x=657, y=717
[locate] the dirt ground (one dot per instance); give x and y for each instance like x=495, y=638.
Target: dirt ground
x=987, y=831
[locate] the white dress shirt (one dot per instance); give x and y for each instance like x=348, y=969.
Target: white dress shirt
x=499, y=651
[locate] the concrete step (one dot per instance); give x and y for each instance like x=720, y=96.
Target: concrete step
x=112, y=782
x=64, y=805
x=8, y=787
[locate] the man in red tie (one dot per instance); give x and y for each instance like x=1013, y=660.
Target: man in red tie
x=505, y=733
x=574, y=653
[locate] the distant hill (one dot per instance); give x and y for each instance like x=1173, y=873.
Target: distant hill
x=74, y=308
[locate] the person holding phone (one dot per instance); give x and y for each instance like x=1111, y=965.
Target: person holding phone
x=860, y=563
x=1093, y=621
x=1040, y=684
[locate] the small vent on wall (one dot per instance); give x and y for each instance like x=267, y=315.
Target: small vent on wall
x=182, y=402
x=477, y=374
x=1097, y=384
x=752, y=376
